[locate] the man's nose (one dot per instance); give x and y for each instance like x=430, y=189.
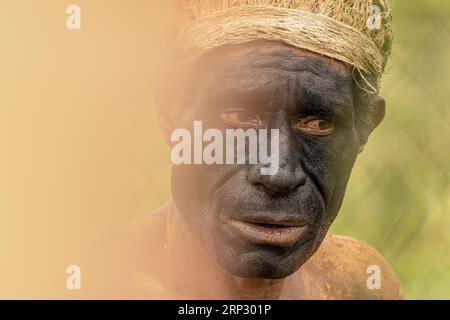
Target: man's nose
x=286, y=180
x=290, y=175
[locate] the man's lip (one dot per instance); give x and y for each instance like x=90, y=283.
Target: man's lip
x=280, y=233
x=279, y=221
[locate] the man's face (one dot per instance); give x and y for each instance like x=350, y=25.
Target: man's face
x=268, y=226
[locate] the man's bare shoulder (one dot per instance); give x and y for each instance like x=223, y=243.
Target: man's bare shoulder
x=133, y=253
x=346, y=268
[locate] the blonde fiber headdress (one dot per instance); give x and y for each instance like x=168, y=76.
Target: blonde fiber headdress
x=338, y=29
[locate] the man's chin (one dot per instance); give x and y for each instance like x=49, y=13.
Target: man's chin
x=263, y=264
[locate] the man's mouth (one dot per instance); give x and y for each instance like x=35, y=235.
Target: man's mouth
x=282, y=234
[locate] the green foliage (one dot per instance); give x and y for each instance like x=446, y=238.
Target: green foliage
x=399, y=196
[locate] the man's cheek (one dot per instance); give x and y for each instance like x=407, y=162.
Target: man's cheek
x=331, y=160
x=196, y=190
x=192, y=181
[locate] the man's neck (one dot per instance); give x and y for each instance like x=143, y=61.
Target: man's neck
x=198, y=276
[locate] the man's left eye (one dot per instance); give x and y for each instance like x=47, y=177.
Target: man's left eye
x=316, y=126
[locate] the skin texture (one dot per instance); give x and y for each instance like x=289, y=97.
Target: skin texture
x=188, y=250
x=281, y=86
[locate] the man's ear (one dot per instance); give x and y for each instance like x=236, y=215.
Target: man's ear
x=166, y=127
x=377, y=112
x=163, y=102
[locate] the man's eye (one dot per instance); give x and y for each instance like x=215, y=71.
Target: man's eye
x=241, y=119
x=316, y=126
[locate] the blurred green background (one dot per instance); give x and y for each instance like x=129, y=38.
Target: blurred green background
x=399, y=196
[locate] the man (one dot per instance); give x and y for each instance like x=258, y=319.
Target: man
x=308, y=69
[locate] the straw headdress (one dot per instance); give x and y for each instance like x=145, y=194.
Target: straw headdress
x=339, y=29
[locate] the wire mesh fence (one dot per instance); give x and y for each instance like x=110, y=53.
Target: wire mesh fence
x=399, y=196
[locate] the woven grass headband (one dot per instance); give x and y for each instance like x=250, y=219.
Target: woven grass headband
x=337, y=29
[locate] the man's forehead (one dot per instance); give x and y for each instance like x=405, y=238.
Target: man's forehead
x=270, y=70
x=276, y=55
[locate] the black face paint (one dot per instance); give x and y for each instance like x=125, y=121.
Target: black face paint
x=273, y=83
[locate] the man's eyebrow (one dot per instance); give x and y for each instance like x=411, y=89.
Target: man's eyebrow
x=236, y=95
x=325, y=102
x=288, y=61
